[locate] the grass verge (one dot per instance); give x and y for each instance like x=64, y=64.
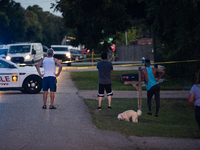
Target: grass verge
x=176, y=118
x=88, y=80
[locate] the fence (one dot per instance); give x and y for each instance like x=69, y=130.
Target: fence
x=134, y=52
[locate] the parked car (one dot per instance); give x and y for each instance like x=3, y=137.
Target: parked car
x=28, y=53
x=62, y=52
x=76, y=55
x=14, y=77
x=3, y=50
x=85, y=51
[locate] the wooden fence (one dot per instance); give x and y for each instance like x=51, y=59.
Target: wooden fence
x=134, y=52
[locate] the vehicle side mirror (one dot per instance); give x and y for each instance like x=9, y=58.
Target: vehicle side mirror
x=33, y=51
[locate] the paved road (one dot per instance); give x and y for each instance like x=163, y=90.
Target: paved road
x=25, y=126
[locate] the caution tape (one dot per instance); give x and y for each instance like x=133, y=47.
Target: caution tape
x=172, y=62
x=124, y=65
x=137, y=64
x=158, y=63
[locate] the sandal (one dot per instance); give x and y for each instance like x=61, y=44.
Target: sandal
x=44, y=107
x=52, y=107
x=149, y=113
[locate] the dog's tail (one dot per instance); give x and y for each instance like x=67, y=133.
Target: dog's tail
x=139, y=112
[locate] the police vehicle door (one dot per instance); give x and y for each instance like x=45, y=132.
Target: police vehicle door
x=9, y=75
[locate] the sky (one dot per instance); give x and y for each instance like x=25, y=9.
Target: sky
x=44, y=4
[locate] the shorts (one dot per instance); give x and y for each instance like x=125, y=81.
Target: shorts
x=49, y=82
x=108, y=90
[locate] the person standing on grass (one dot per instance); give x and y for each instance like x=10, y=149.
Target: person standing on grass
x=49, y=76
x=152, y=86
x=104, y=68
x=194, y=96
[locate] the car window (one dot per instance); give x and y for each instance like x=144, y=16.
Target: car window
x=60, y=48
x=45, y=48
x=4, y=64
x=19, y=49
x=74, y=52
x=3, y=51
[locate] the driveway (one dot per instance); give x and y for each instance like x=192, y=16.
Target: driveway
x=25, y=126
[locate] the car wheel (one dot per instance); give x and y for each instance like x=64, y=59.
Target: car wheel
x=32, y=84
x=68, y=64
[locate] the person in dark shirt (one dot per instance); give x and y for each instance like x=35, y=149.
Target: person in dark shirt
x=104, y=68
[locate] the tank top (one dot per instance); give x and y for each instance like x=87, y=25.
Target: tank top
x=49, y=67
x=151, y=79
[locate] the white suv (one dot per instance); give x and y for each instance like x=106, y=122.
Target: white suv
x=14, y=77
x=62, y=52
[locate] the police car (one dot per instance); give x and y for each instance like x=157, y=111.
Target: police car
x=14, y=77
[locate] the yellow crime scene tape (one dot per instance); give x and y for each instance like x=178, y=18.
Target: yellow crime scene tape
x=158, y=63
x=137, y=64
x=122, y=65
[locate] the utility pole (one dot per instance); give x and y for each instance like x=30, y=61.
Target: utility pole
x=116, y=35
x=126, y=37
x=154, y=48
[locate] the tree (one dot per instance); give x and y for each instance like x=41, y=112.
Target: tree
x=50, y=27
x=91, y=17
x=132, y=34
x=33, y=27
x=12, y=24
x=177, y=30
x=30, y=25
x=3, y=24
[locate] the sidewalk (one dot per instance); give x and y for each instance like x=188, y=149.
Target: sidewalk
x=92, y=94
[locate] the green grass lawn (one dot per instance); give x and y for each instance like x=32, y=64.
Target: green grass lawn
x=176, y=118
x=88, y=80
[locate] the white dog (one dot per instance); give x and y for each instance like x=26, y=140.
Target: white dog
x=128, y=114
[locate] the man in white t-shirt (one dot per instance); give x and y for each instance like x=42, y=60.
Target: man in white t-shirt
x=49, y=76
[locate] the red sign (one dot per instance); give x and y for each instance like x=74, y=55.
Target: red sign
x=112, y=46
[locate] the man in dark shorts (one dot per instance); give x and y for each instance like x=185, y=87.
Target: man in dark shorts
x=152, y=86
x=49, y=76
x=105, y=68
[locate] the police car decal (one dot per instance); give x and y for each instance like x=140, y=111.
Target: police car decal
x=14, y=77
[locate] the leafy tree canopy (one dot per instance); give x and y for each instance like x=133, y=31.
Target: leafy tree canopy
x=30, y=25
x=12, y=21
x=33, y=27
x=177, y=30
x=48, y=29
x=96, y=20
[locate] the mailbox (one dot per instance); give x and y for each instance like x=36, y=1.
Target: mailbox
x=129, y=77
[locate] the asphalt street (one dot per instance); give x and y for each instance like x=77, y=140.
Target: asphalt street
x=24, y=125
